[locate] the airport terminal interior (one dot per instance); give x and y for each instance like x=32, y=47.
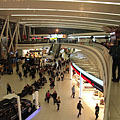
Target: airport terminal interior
x=55, y=54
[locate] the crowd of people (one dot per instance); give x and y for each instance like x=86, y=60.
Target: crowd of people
x=56, y=71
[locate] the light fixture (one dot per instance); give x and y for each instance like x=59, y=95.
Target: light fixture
x=57, y=30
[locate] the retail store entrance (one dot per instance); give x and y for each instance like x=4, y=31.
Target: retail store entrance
x=87, y=91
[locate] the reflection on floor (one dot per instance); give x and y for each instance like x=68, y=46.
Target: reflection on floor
x=68, y=108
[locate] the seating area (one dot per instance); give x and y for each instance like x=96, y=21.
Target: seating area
x=29, y=89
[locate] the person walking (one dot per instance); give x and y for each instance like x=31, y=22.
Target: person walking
x=52, y=84
x=47, y=96
x=54, y=95
x=96, y=111
x=73, y=91
x=79, y=107
x=62, y=76
x=9, y=90
x=20, y=75
x=58, y=101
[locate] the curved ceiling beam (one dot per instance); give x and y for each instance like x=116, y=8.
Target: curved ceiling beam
x=85, y=1
x=59, y=16
x=67, y=26
x=58, y=10
x=68, y=22
x=38, y=19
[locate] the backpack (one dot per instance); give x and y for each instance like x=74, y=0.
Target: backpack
x=78, y=106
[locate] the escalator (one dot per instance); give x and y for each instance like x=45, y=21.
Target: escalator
x=58, y=51
x=55, y=50
x=50, y=49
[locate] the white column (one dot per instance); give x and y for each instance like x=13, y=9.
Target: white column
x=71, y=69
x=19, y=108
x=81, y=84
x=36, y=100
x=78, y=39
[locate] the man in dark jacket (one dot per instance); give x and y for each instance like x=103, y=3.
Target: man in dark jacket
x=115, y=53
x=9, y=90
x=54, y=95
x=20, y=75
x=96, y=111
x=79, y=107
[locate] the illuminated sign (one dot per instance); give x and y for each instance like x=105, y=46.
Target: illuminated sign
x=57, y=36
x=95, y=82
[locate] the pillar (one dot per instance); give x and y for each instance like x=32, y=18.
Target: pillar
x=78, y=39
x=19, y=108
x=81, y=85
x=71, y=69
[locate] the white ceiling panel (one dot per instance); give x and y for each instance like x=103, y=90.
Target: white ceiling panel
x=66, y=13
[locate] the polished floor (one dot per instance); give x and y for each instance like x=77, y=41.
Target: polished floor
x=68, y=107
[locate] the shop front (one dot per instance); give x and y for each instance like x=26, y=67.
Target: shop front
x=88, y=89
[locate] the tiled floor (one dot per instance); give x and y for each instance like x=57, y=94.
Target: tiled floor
x=68, y=110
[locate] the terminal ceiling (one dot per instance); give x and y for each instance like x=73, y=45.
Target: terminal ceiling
x=72, y=14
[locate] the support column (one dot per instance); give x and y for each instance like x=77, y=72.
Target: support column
x=71, y=69
x=24, y=33
x=35, y=96
x=29, y=33
x=78, y=39
x=16, y=40
x=81, y=85
x=19, y=108
x=7, y=28
x=13, y=37
x=3, y=29
x=33, y=31
x=19, y=33
x=36, y=100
